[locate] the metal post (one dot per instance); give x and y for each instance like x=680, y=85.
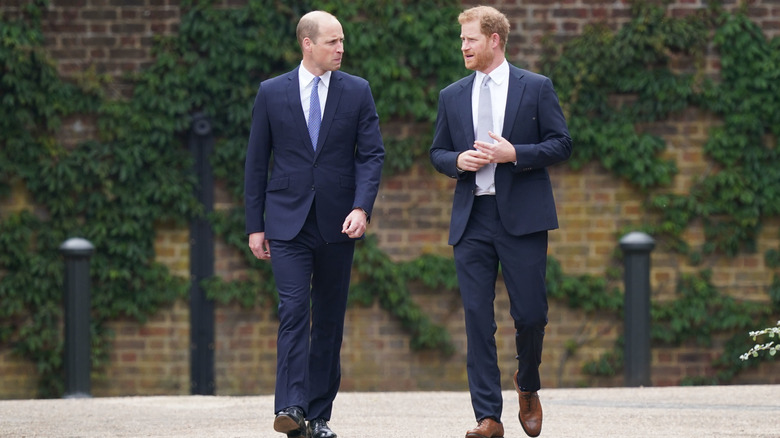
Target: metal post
x=77, y=303
x=636, y=247
x=201, y=143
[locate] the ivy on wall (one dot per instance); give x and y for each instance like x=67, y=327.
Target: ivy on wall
x=733, y=202
x=113, y=190
x=611, y=82
x=110, y=192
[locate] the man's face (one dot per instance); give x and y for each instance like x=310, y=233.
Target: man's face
x=327, y=51
x=476, y=47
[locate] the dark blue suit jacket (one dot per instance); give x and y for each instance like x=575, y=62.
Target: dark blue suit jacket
x=534, y=124
x=342, y=174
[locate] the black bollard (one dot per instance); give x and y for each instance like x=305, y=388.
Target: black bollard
x=636, y=248
x=202, y=320
x=77, y=303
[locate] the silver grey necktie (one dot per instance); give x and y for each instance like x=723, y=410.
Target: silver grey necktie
x=485, y=175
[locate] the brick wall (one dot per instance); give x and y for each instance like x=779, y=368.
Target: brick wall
x=148, y=359
x=411, y=218
x=113, y=36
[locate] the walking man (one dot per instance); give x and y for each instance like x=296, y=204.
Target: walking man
x=497, y=131
x=305, y=212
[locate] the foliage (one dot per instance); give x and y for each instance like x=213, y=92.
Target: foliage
x=419, y=56
x=610, y=363
x=596, y=68
x=732, y=202
x=114, y=189
x=769, y=346
x=701, y=312
x=110, y=194
x=584, y=292
x=405, y=81
x=382, y=279
x=611, y=83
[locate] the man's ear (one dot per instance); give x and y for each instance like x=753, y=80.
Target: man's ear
x=494, y=40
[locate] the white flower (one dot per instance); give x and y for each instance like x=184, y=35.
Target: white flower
x=771, y=331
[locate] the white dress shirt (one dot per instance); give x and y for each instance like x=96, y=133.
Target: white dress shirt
x=499, y=88
x=305, y=82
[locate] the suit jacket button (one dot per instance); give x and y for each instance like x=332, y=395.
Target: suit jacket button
x=312, y=188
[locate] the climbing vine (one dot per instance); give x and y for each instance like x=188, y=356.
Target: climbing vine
x=115, y=189
x=612, y=82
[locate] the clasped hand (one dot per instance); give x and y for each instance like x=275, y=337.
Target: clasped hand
x=483, y=153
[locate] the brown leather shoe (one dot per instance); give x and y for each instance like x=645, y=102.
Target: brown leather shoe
x=487, y=428
x=530, y=411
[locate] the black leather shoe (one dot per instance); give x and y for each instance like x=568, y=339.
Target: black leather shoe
x=291, y=421
x=318, y=428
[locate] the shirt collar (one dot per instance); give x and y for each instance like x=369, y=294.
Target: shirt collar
x=305, y=77
x=498, y=75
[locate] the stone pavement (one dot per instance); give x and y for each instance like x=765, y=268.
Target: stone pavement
x=680, y=412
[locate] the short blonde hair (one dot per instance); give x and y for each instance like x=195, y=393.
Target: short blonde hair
x=491, y=21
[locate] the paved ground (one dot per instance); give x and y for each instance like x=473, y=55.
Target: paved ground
x=680, y=412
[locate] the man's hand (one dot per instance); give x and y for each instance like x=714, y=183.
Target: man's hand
x=472, y=160
x=499, y=152
x=355, y=224
x=259, y=246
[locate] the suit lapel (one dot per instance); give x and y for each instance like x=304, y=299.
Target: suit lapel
x=335, y=89
x=294, y=101
x=516, y=87
x=464, y=109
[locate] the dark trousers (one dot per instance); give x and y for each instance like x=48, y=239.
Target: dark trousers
x=523, y=259
x=312, y=278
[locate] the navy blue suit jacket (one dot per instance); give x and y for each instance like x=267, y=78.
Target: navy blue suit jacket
x=534, y=124
x=343, y=173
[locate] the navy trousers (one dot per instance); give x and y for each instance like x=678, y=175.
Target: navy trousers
x=523, y=260
x=312, y=278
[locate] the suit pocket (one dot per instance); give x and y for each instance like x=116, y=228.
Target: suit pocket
x=345, y=122
x=278, y=184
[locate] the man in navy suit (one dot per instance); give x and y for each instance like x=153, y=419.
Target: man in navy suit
x=305, y=211
x=497, y=131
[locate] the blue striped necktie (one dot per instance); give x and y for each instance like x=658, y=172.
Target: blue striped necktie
x=315, y=117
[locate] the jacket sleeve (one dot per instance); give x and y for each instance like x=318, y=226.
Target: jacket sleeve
x=443, y=155
x=555, y=145
x=369, y=154
x=256, y=166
